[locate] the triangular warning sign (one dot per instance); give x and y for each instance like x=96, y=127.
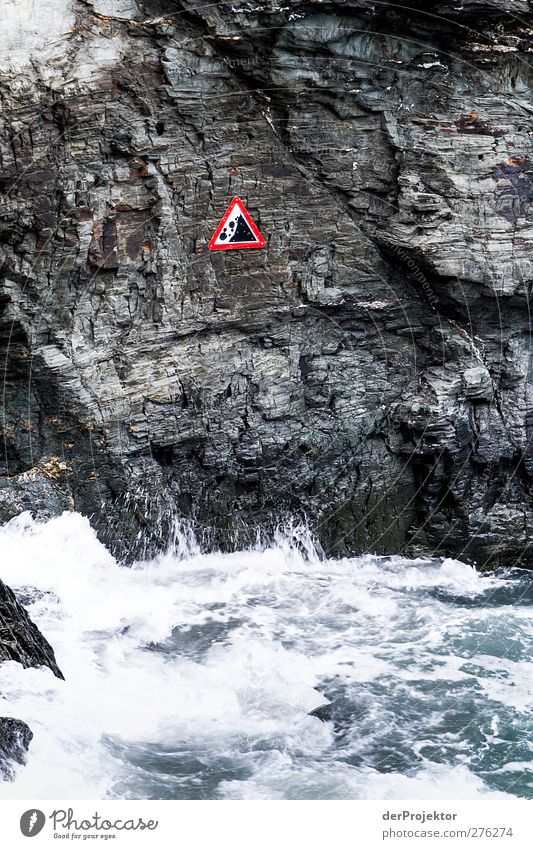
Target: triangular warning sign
x=236, y=230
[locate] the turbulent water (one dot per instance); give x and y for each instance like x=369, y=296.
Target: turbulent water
x=194, y=676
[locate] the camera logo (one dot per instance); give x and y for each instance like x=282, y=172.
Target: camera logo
x=32, y=822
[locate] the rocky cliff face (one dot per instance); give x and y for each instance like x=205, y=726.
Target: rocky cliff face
x=370, y=368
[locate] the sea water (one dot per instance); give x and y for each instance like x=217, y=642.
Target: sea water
x=272, y=673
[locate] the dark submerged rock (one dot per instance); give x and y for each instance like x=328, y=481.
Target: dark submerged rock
x=325, y=712
x=15, y=738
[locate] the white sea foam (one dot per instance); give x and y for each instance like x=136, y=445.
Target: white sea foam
x=194, y=675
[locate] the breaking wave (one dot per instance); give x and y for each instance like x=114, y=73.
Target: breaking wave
x=266, y=674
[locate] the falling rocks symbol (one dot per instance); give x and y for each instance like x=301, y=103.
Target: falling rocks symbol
x=242, y=233
x=236, y=230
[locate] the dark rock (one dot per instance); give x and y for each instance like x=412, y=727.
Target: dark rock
x=325, y=712
x=15, y=738
x=344, y=712
x=20, y=639
x=369, y=368
x=477, y=384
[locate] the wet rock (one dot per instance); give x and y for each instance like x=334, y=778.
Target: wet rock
x=478, y=384
x=368, y=369
x=20, y=639
x=15, y=738
x=324, y=712
x=344, y=712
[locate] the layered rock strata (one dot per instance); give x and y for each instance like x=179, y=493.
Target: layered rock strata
x=369, y=369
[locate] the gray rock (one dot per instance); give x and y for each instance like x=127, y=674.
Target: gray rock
x=15, y=738
x=369, y=369
x=478, y=384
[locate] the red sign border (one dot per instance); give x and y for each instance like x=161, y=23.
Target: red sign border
x=236, y=245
